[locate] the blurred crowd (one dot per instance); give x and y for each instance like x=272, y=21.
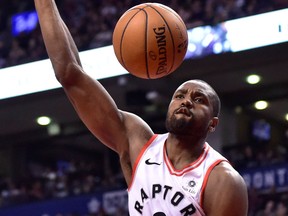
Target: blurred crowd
x=262, y=155
x=249, y=156
x=62, y=179
x=57, y=180
x=91, y=24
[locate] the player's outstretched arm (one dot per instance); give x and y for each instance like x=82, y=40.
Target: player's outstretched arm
x=226, y=193
x=92, y=102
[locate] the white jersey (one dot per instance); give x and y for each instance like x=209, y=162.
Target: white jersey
x=158, y=189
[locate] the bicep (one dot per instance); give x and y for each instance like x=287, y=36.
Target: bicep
x=226, y=193
x=99, y=112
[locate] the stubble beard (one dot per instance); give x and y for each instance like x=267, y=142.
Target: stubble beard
x=178, y=125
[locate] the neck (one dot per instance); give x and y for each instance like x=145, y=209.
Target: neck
x=183, y=150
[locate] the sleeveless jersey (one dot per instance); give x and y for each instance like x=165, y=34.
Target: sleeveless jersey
x=158, y=189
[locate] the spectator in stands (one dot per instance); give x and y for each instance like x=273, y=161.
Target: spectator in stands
x=268, y=210
x=281, y=209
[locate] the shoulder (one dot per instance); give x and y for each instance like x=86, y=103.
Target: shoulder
x=225, y=189
x=138, y=133
x=136, y=127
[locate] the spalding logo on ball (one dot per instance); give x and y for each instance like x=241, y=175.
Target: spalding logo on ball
x=150, y=40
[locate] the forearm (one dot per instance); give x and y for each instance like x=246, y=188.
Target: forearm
x=60, y=46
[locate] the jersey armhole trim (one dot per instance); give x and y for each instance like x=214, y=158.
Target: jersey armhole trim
x=139, y=157
x=206, y=179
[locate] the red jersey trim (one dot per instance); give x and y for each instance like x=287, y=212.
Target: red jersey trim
x=206, y=179
x=139, y=157
x=190, y=166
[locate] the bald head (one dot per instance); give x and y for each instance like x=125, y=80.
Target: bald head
x=213, y=96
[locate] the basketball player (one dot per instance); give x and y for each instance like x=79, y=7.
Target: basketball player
x=177, y=173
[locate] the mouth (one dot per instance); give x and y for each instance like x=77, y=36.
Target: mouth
x=184, y=111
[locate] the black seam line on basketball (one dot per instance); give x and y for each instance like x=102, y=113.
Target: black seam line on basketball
x=172, y=38
x=122, y=36
x=145, y=41
x=146, y=49
x=179, y=18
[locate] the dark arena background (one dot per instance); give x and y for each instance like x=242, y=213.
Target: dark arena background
x=60, y=169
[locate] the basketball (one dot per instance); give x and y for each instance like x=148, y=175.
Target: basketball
x=150, y=40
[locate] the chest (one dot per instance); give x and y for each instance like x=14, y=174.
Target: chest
x=156, y=189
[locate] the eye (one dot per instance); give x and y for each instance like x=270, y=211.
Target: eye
x=179, y=96
x=199, y=100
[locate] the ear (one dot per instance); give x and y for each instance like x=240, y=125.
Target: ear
x=213, y=123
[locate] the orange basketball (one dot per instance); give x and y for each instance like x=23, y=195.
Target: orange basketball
x=150, y=40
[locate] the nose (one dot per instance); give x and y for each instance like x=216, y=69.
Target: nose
x=187, y=103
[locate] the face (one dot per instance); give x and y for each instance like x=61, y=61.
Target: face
x=191, y=110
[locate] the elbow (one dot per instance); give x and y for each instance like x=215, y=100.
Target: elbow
x=67, y=74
